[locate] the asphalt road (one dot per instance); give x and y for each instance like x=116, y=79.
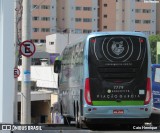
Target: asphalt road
x=100, y=129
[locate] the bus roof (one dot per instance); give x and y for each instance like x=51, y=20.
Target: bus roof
x=118, y=33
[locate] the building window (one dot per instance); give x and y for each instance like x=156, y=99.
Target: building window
x=45, y=18
x=87, y=20
x=35, y=7
x=42, y=41
x=105, y=27
x=146, y=10
x=146, y=21
x=45, y=30
x=35, y=18
x=35, y=29
x=78, y=19
x=51, y=43
x=105, y=16
x=87, y=31
x=78, y=31
x=87, y=8
x=147, y=32
x=78, y=8
x=138, y=10
x=45, y=7
x=105, y=5
x=137, y=21
x=35, y=40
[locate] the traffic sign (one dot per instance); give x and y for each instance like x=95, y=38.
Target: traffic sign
x=16, y=72
x=27, y=48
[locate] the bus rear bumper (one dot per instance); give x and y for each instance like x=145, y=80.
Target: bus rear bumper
x=115, y=120
x=117, y=112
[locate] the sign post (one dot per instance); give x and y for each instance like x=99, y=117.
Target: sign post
x=27, y=49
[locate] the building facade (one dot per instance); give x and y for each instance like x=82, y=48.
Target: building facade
x=158, y=18
x=136, y=15
x=76, y=16
x=106, y=15
x=43, y=19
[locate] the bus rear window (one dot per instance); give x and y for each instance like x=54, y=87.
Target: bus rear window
x=118, y=48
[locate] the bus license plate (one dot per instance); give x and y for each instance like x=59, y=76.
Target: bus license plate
x=118, y=111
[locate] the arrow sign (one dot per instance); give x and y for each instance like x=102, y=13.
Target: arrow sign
x=27, y=48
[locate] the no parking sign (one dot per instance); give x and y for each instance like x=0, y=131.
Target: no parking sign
x=16, y=72
x=27, y=48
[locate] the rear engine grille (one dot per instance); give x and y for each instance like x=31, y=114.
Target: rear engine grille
x=121, y=73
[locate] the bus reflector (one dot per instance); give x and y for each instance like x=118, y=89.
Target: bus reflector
x=87, y=94
x=141, y=40
x=148, y=93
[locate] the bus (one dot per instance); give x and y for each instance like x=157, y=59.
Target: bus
x=155, y=118
x=106, y=78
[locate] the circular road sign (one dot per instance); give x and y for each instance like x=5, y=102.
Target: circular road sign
x=27, y=48
x=16, y=72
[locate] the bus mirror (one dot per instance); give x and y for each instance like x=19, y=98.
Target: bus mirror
x=57, y=66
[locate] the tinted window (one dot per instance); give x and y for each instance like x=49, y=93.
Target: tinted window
x=118, y=48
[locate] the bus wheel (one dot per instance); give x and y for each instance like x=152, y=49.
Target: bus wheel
x=77, y=117
x=155, y=118
x=61, y=110
x=79, y=123
x=67, y=120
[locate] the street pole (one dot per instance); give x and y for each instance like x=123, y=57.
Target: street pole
x=26, y=63
x=15, y=61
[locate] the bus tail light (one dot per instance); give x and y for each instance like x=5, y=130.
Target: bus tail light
x=87, y=94
x=148, y=93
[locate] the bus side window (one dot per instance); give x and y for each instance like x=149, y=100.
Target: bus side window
x=157, y=75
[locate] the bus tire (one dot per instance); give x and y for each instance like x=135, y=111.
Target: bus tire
x=155, y=119
x=67, y=120
x=79, y=123
x=77, y=117
x=61, y=110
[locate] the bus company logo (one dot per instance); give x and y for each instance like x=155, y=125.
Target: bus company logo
x=151, y=1
x=112, y=96
x=117, y=47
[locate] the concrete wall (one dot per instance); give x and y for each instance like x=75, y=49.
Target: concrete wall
x=44, y=76
x=60, y=41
